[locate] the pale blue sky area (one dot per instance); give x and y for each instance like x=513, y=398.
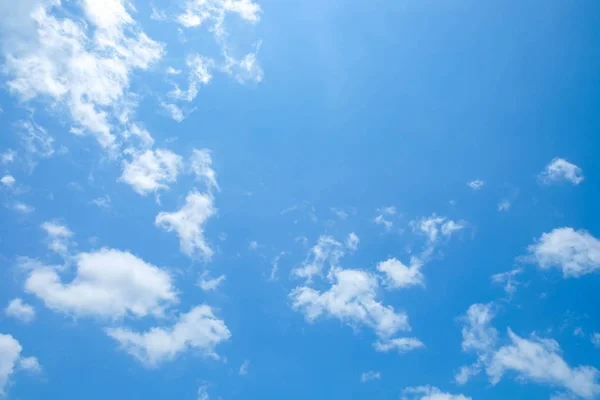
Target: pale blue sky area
x=261, y=199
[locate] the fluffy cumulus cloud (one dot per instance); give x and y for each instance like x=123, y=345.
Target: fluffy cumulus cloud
x=83, y=66
x=151, y=170
x=539, y=360
x=199, y=329
x=430, y=393
x=352, y=299
x=11, y=360
x=108, y=283
x=19, y=310
x=576, y=253
x=188, y=222
x=399, y=275
x=8, y=180
x=560, y=170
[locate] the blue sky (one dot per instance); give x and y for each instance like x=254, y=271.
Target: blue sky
x=259, y=199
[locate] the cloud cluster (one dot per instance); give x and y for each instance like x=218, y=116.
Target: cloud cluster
x=12, y=361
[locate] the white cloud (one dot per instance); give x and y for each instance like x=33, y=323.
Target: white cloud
x=275, y=266
x=578, y=332
x=8, y=180
x=326, y=251
x=539, y=360
x=58, y=237
x=352, y=241
x=189, y=223
x=504, y=205
x=158, y=15
x=102, y=202
x=341, y=214
x=534, y=359
x=380, y=220
x=174, y=111
x=351, y=298
x=107, y=283
x=508, y=279
x=560, y=170
x=203, y=393
x=476, y=184
x=244, y=368
x=370, y=376
x=21, y=311
x=253, y=245
x=30, y=364
x=151, y=170
x=173, y=71
x=430, y=393
x=56, y=60
x=201, y=164
x=399, y=275
x=200, y=74
x=207, y=284
x=577, y=253
x=401, y=345
x=8, y=156
x=245, y=69
x=214, y=11
x=596, y=339
x=11, y=360
x=36, y=142
x=198, y=329
x=433, y=226
x=23, y=208
x=479, y=337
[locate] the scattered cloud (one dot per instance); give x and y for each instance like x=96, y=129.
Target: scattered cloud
x=201, y=164
x=351, y=298
x=275, y=266
x=203, y=393
x=401, y=345
x=23, y=208
x=207, y=284
x=8, y=156
x=8, y=180
x=198, y=329
x=253, y=245
x=380, y=218
x=539, y=360
x=352, y=242
x=188, y=222
x=107, y=283
x=341, y=214
x=399, y=275
x=244, y=368
x=560, y=170
x=326, y=251
x=245, y=69
x=596, y=339
x=173, y=71
x=58, y=237
x=11, y=361
x=102, y=202
x=370, y=376
x=199, y=75
x=508, y=279
x=477, y=184
x=504, y=205
x=19, y=310
x=151, y=170
x=56, y=60
x=576, y=253
x=199, y=12
x=173, y=110
x=429, y=393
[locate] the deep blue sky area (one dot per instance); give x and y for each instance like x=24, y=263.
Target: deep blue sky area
x=261, y=199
